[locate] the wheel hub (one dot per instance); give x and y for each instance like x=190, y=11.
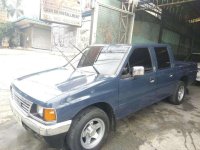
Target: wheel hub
x=92, y=133
x=181, y=92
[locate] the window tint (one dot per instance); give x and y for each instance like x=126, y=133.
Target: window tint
x=162, y=57
x=141, y=57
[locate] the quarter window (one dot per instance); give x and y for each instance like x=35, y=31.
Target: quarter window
x=162, y=56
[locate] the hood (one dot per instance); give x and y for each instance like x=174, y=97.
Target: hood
x=46, y=85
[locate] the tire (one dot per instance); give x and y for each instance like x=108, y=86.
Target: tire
x=85, y=126
x=179, y=94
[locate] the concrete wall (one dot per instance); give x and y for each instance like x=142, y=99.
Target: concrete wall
x=83, y=33
x=145, y=32
x=62, y=36
x=171, y=38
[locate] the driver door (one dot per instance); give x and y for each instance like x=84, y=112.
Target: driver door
x=137, y=92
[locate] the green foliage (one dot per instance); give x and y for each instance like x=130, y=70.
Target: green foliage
x=13, y=9
x=6, y=30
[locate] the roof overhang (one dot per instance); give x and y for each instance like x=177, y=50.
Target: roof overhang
x=26, y=22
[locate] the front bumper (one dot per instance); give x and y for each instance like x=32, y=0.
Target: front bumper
x=39, y=128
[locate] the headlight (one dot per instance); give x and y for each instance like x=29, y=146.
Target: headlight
x=47, y=114
x=40, y=111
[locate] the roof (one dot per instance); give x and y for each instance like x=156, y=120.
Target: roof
x=181, y=9
x=24, y=21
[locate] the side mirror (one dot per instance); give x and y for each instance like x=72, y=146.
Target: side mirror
x=137, y=71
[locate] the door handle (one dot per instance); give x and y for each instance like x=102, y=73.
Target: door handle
x=152, y=80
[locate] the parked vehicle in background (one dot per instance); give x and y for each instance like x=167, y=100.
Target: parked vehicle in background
x=195, y=57
x=78, y=107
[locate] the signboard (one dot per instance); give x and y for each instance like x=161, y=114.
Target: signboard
x=61, y=11
x=87, y=6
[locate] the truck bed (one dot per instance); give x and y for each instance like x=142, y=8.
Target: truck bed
x=187, y=68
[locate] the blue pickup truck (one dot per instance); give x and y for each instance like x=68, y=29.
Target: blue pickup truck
x=76, y=108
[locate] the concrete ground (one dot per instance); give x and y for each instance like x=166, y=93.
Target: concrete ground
x=161, y=126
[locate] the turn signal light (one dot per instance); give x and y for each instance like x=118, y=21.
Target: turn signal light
x=49, y=114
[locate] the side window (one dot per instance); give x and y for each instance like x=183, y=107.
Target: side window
x=162, y=57
x=139, y=57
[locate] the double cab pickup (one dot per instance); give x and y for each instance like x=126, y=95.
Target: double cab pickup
x=76, y=107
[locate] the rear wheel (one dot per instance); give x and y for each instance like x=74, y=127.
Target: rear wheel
x=89, y=130
x=179, y=94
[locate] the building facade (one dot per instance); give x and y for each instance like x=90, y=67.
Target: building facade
x=34, y=34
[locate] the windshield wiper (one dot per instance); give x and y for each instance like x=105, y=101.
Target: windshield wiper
x=85, y=57
x=69, y=62
x=75, y=57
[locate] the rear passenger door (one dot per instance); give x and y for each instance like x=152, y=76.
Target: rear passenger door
x=165, y=73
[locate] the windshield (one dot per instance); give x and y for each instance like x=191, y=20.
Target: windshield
x=105, y=59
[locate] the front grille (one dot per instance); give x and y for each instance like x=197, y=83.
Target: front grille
x=23, y=103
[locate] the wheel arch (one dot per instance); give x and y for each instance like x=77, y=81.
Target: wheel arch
x=184, y=79
x=107, y=108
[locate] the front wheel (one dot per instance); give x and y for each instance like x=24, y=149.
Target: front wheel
x=179, y=94
x=89, y=130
